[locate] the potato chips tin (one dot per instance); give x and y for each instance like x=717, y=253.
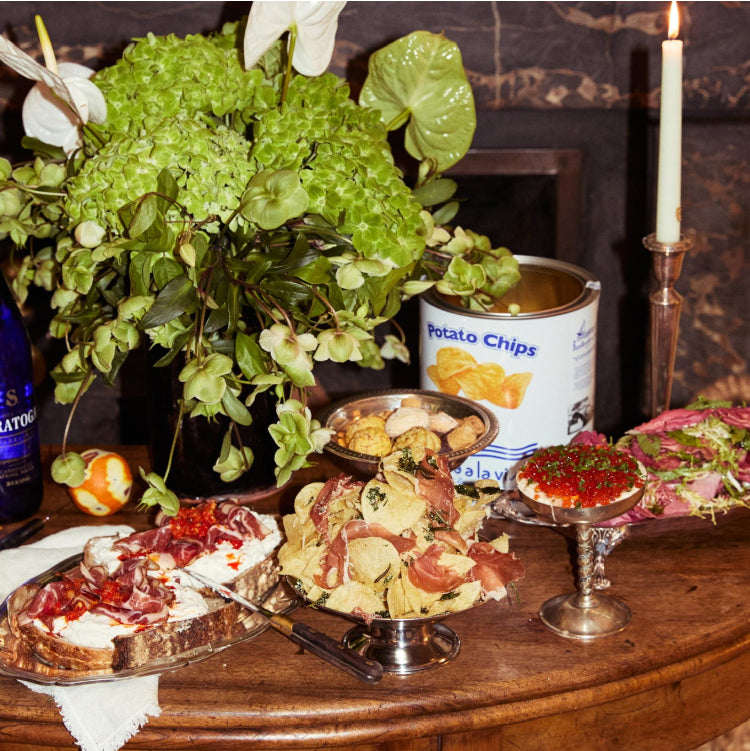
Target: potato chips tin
x=534, y=369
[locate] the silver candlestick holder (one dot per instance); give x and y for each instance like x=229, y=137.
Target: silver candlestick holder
x=665, y=304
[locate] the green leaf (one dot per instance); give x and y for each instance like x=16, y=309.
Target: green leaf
x=145, y=215
x=174, y=300
x=420, y=78
x=317, y=272
x=235, y=409
x=167, y=186
x=650, y=445
x=249, y=356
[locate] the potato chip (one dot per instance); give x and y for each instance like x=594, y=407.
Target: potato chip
x=482, y=381
x=472, y=513
x=396, y=509
x=373, y=561
x=305, y=499
x=398, y=606
x=512, y=391
x=461, y=564
x=342, y=508
x=452, y=360
x=303, y=563
x=300, y=530
x=463, y=597
x=418, y=601
x=354, y=595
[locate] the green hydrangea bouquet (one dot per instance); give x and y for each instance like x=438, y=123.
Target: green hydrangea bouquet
x=223, y=197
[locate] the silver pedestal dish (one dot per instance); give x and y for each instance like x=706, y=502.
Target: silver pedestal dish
x=585, y=613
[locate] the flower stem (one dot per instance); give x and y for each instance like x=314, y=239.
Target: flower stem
x=289, y=56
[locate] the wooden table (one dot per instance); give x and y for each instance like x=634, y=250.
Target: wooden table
x=672, y=680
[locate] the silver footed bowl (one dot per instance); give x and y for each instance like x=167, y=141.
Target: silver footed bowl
x=339, y=414
x=583, y=515
x=400, y=645
x=585, y=613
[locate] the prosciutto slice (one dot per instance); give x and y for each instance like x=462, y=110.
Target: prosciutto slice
x=493, y=569
x=426, y=573
x=435, y=486
x=334, y=488
x=335, y=561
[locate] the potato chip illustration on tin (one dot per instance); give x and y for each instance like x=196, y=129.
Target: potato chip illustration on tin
x=457, y=370
x=481, y=381
x=447, y=386
x=512, y=390
x=452, y=360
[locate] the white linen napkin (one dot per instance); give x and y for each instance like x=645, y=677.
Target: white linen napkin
x=99, y=716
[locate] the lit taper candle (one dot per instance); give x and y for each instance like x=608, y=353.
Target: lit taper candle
x=668, y=189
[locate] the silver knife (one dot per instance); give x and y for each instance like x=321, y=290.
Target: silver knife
x=305, y=636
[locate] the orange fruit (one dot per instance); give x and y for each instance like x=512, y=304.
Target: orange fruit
x=107, y=483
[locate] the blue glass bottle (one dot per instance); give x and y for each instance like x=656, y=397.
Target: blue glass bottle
x=20, y=460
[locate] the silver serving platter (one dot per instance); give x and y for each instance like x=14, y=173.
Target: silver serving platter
x=26, y=667
x=339, y=414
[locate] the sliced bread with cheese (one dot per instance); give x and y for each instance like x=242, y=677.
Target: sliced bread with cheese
x=129, y=603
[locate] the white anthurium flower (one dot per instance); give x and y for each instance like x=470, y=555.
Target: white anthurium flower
x=315, y=24
x=60, y=102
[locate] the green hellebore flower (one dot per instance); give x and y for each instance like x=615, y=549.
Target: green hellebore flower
x=338, y=346
x=158, y=494
x=69, y=469
x=204, y=378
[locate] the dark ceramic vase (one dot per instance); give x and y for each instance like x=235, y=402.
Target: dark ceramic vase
x=199, y=441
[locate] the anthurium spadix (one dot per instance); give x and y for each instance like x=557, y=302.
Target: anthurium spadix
x=313, y=32
x=63, y=100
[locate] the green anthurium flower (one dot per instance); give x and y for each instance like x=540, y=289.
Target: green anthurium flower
x=273, y=198
x=420, y=79
x=69, y=469
x=105, y=348
x=62, y=297
x=460, y=242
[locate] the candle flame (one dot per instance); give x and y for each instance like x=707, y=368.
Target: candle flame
x=674, y=20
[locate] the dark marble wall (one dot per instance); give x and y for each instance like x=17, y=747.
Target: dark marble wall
x=549, y=75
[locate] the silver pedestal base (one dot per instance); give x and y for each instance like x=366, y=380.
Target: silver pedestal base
x=585, y=618
x=403, y=647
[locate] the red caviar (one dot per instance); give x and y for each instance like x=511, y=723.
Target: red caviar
x=194, y=521
x=582, y=476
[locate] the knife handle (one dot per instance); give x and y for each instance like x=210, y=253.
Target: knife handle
x=17, y=536
x=336, y=653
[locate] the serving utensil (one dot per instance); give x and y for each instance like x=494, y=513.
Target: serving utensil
x=320, y=644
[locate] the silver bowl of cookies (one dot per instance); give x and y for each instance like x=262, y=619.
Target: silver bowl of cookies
x=377, y=423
